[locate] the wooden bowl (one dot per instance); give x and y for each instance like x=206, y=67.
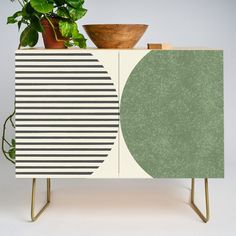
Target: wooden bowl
x=115, y=35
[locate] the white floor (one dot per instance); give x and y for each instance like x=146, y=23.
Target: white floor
x=116, y=207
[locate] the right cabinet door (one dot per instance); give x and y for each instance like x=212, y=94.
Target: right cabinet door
x=171, y=114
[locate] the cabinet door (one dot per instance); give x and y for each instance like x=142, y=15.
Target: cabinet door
x=128, y=166
x=171, y=114
x=67, y=113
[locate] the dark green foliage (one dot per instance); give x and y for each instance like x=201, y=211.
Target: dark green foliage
x=12, y=151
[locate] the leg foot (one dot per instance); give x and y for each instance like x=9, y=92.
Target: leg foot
x=34, y=216
x=205, y=219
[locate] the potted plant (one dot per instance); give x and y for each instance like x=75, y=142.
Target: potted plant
x=55, y=19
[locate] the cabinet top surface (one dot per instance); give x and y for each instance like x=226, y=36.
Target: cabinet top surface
x=131, y=49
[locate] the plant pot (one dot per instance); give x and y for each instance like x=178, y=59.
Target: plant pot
x=49, y=39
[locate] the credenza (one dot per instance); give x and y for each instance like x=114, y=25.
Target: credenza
x=110, y=113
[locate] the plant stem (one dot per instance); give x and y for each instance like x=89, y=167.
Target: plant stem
x=53, y=28
x=4, y=139
x=7, y=142
x=12, y=123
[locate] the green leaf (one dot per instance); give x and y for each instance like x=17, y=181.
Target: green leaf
x=67, y=29
x=38, y=14
x=76, y=14
x=63, y=12
x=77, y=35
x=75, y=3
x=19, y=24
x=60, y=2
x=29, y=37
x=12, y=153
x=80, y=42
x=68, y=44
x=42, y=6
x=11, y=20
x=35, y=23
x=13, y=142
x=27, y=11
x=17, y=14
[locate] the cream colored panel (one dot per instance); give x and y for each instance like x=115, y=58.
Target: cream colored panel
x=109, y=168
x=109, y=59
x=67, y=113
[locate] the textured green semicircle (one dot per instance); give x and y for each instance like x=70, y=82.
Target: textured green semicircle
x=172, y=114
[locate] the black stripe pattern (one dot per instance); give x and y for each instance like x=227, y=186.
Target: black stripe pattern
x=67, y=114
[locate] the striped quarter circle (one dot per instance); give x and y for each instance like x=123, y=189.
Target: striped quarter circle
x=67, y=114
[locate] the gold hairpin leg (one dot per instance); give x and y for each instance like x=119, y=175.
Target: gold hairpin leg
x=195, y=208
x=34, y=216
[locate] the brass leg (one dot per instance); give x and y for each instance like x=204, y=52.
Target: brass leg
x=34, y=216
x=195, y=208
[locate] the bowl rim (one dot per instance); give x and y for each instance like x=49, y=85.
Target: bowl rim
x=146, y=25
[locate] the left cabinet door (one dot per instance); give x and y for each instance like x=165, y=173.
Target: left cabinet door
x=67, y=113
